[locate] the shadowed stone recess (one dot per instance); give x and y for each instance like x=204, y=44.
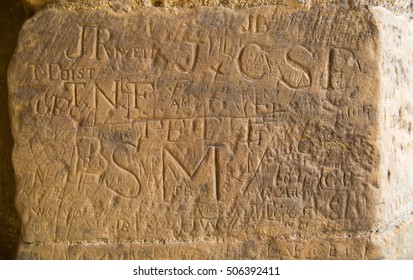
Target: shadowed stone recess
x=11, y=18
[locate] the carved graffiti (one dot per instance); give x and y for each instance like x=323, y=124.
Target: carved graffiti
x=200, y=124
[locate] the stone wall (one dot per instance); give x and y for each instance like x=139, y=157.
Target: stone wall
x=342, y=171
x=400, y=6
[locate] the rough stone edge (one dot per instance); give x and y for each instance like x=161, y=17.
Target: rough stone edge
x=392, y=243
x=324, y=249
x=396, y=6
x=395, y=231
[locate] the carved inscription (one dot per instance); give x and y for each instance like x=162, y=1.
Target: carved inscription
x=203, y=123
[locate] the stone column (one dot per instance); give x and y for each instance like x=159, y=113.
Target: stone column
x=271, y=132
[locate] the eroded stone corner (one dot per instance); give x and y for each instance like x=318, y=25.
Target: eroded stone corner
x=396, y=120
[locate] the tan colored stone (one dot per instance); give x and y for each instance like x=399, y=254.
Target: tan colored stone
x=205, y=133
x=127, y=5
x=36, y=4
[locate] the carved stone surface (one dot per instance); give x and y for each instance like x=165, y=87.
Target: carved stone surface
x=205, y=133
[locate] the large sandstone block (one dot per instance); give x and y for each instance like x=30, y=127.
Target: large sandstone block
x=269, y=132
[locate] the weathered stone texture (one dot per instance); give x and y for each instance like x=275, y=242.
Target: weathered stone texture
x=270, y=132
x=127, y=5
x=396, y=135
